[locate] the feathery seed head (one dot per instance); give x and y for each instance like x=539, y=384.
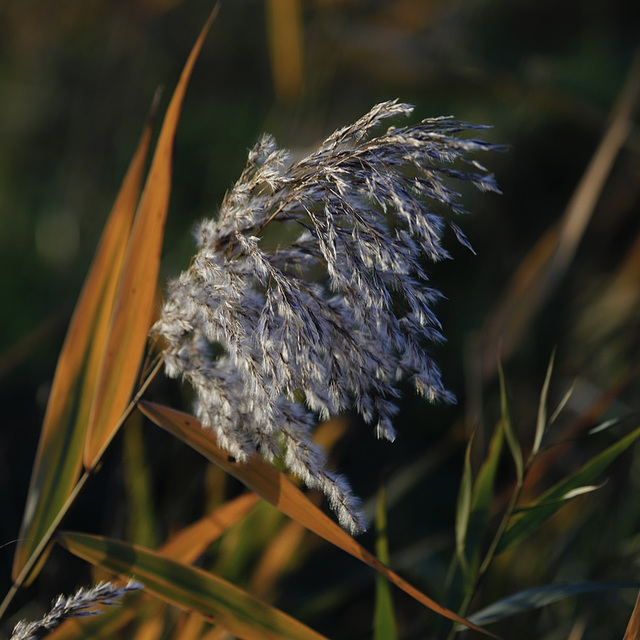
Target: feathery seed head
x=362, y=206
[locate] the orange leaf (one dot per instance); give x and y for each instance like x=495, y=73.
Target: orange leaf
x=276, y=488
x=136, y=297
x=59, y=457
x=189, y=543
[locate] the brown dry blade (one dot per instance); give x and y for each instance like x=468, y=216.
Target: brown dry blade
x=546, y=264
x=59, y=457
x=633, y=628
x=276, y=488
x=189, y=543
x=135, y=303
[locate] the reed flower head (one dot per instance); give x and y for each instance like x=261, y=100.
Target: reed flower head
x=273, y=338
x=82, y=603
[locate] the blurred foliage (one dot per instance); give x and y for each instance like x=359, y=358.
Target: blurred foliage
x=76, y=82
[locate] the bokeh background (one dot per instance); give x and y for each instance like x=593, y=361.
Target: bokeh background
x=76, y=83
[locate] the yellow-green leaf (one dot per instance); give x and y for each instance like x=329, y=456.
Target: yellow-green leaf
x=190, y=588
x=135, y=303
x=384, y=619
x=276, y=488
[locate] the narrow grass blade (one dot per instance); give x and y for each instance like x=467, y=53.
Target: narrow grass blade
x=191, y=542
x=541, y=509
x=633, y=628
x=59, y=456
x=561, y=405
x=542, y=596
x=481, y=499
x=609, y=424
x=541, y=422
x=512, y=441
x=189, y=588
x=464, y=508
x=384, y=619
x=276, y=488
x=135, y=303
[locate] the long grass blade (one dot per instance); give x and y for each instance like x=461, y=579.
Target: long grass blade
x=464, y=508
x=59, y=456
x=384, y=619
x=482, y=497
x=541, y=422
x=509, y=433
x=542, y=596
x=273, y=486
x=190, y=588
x=135, y=303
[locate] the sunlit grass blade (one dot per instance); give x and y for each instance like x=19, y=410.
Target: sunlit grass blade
x=276, y=488
x=542, y=596
x=135, y=303
x=509, y=433
x=189, y=588
x=541, y=422
x=563, y=403
x=549, y=502
x=633, y=628
x=384, y=619
x=609, y=424
x=191, y=542
x=59, y=456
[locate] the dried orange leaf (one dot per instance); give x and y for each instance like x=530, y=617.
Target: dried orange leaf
x=135, y=303
x=189, y=543
x=276, y=488
x=59, y=457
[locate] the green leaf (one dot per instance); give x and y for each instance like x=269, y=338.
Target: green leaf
x=384, y=620
x=541, y=509
x=542, y=596
x=189, y=588
x=464, y=508
x=512, y=441
x=541, y=423
x=609, y=424
x=562, y=403
x=482, y=497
